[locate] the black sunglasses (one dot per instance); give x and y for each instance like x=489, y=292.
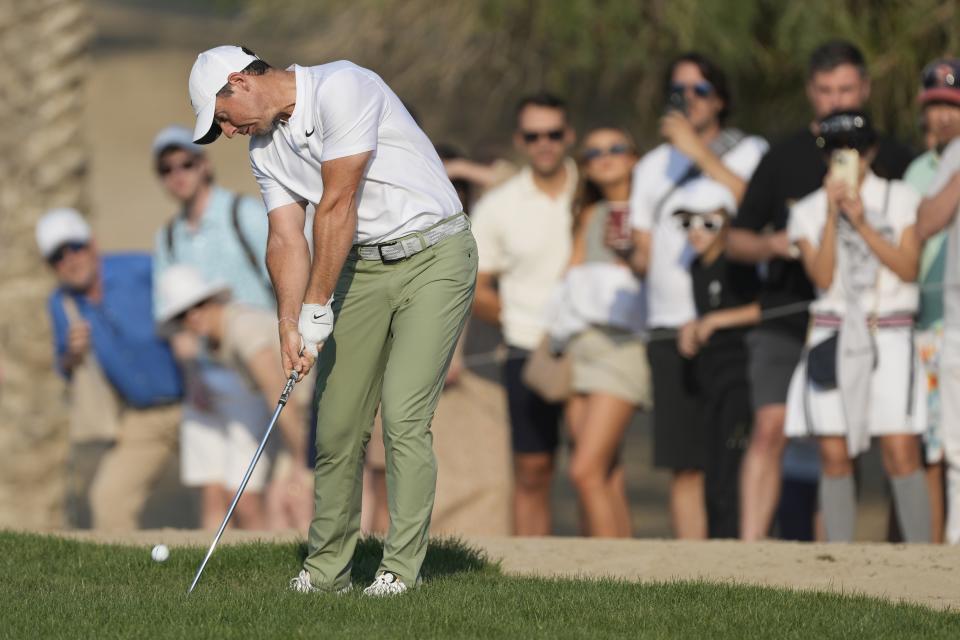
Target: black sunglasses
x=554, y=135
x=167, y=169
x=70, y=247
x=592, y=153
x=707, y=222
x=700, y=89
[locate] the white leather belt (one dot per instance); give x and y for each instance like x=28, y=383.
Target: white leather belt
x=414, y=243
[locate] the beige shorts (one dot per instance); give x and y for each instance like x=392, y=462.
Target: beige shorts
x=611, y=361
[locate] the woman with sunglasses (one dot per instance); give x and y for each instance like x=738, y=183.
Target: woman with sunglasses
x=858, y=378
x=610, y=375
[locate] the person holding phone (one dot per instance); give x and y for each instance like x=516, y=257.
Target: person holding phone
x=858, y=376
x=697, y=145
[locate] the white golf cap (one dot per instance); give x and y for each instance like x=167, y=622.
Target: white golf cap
x=175, y=136
x=703, y=196
x=209, y=74
x=182, y=287
x=58, y=227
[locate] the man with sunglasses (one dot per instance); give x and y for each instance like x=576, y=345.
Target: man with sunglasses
x=698, y=147
x=936, y=219
x=125, y=389
x=836, y=80
x=224, y=236
x=523, y=235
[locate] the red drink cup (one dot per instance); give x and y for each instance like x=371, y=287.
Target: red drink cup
x=618, y=226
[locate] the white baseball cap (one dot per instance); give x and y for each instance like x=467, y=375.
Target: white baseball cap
x=181, y=288
x=209, y=74
x=58, y=227
x=175, y=136
x=704, y=196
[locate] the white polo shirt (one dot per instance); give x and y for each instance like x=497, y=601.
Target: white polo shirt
x=343, y=110
x=524, y=238
x=669, y=288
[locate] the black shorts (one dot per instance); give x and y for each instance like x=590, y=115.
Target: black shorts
x=534, y=422
x=678, y=435
x=774, y=356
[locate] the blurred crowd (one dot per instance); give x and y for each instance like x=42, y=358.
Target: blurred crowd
x=776, y=308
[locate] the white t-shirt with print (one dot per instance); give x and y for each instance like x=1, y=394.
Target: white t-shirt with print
x=879, y=291
x=524, y=238
x=343, y=110
x=669, y=288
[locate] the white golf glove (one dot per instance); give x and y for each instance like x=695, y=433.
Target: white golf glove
x=316, y=325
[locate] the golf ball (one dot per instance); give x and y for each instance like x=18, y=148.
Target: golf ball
x=160, y=553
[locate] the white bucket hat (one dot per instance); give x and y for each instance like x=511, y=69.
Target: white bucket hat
x=58, y=227
x=702, y=196
x=207, y=77
x=181, y=288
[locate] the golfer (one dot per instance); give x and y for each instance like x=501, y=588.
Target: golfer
x=382, y=300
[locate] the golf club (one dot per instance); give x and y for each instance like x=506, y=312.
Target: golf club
x=284, y=396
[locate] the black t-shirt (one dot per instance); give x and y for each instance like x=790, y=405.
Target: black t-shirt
x=792, y=169
x=723, y=285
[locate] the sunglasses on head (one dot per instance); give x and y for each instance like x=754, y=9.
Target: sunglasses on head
x=592, y=153
x=707, y=221
x=70, y=247
x=554, y=135
x=700, y=89
x=186, y=165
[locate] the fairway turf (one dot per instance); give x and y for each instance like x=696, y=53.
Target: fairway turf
x=56, y=588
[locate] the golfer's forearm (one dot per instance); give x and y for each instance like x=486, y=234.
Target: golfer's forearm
x=288, y=261
x=334, y=228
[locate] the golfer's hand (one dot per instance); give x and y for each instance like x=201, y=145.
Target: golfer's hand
x=290, y=352
x=316, y=325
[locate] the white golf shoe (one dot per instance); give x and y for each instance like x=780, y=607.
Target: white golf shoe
x=302, y=584
x=387, y=584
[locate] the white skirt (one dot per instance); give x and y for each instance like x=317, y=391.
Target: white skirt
x=897, y=399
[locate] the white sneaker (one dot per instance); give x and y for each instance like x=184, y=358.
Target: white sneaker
x=302, y=584
x=387, y=584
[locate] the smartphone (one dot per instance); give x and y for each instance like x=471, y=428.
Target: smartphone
x=845, y=166
x=677, y=101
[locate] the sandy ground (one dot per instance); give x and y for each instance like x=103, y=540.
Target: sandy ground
x=921, y=574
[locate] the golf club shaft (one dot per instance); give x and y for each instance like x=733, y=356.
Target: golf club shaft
x=246, y=477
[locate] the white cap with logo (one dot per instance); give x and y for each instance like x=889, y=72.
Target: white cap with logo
x=208, y=76
x=58, y=227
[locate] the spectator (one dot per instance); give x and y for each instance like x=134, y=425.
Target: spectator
x=244, y=339
x=725, y=294
x=836, y=79
x=858, y=245
x=102, y=318
x=938, y=213
x=610, y=374
x=224, y=236
x=523, y=234
x=940, y=101
x=698, y=147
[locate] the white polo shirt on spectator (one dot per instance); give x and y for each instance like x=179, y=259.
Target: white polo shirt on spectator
x=524, y=238
x=343, y=110
x=669, y=288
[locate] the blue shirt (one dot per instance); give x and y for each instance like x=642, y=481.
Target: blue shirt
x=214, y=249
x=136, y=361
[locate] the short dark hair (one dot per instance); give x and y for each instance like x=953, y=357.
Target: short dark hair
x=710, y=71
x=541, y=99
x=833, y=54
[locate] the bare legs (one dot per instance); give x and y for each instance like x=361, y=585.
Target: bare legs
x=760, y=476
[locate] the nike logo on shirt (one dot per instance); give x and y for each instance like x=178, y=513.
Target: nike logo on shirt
x=310, y=133
x=318, y=316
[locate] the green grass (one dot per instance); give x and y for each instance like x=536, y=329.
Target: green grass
x=56, y=588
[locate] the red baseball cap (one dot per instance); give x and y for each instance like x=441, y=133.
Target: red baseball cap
x=940, y=82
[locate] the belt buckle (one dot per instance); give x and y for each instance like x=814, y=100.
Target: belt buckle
x=383, y=258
